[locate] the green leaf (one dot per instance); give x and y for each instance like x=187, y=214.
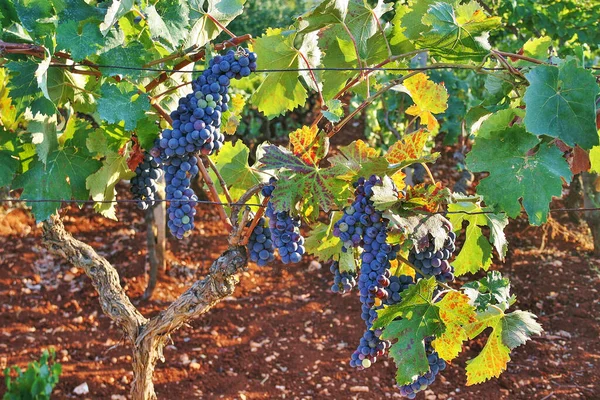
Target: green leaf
x=561, y=103
x=497, y=121
x=280, y=91
x=476, y=252
x=339, y=53
x=322, y=244
x=536, y=48
x=43, y=135
x=518, y=327
x=309, y=186
x=77, y=10
x=22, y=80
x=8, y=167
x=36, y=16
x=420, y=319
x=80, y=45
x=492, y=289
x=361, y=21
x=418, y=227
x=117, y=9
x=334, y=112
x=134, y=55
x=232, y=162
x=325, y=13
x=458, y=33
x=533, y=177
x=147, y=130
x=204, y=29
x=118, y=104
x=385, y=196
x=102, y=183
x=169, y=20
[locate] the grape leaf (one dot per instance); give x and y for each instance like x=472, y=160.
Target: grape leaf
x=358, y=159
x=80, y=45
x=311, y=187
x=340, y=54
x=385, y=196
x=334, y=112
x=534, y=178
x=233, y=165
x=62, y=177
x=429, y=98
x=535, y=48
x=497, y=121
x=508, y=331
x=43, y=135
x=410, y=147
x=168, y=20
x=418, y=227
x=595, y=159
x=491, y=289
x=280, y=91
x=426, y=197
x=116, y=10
x=561, y=103
x=308, y=144
x=325, y=13
x=476, y=252
x=204, y=29
x=455, y=312
x=147, y=130
x=420, y=319
x=22, y=80
x=101, y=184
x=132, y=56
x=321, y=242
x=116, y=105
x=361, y=21
x=37, y=16
x=8, y=167
x=457, y=33
x=77, y=10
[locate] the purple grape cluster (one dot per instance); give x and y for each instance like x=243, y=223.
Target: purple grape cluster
x=195, y=129
x=260, y=246
x=343, y=282
x=436, y=364
x=143, y=184
x=182, y=208
x=362, y=225
x=285, y=230
x=435, y=262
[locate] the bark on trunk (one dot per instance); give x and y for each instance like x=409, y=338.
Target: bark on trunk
x=591, y=199
x=148, y=337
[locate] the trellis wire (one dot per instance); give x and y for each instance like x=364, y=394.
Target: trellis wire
x=126, y=201
x=391, y=69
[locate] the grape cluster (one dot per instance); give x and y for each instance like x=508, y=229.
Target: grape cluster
x=285, y=230
x=342, y=281
x=398, y=284
x=362, y=225
x=260, y=245
x=195, y=129
x=436, y=364
x=182, y=208
x=143, y=184
x=435, y=262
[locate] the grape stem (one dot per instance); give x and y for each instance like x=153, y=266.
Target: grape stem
x=222, y=182
x=428, y=172
x=221, y=26
x=257, y=217
x=405, y=261
x=238, y=227
x=214, y=195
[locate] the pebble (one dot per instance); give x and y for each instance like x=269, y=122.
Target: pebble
x=82, y=389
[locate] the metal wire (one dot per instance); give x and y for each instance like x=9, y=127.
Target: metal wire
x=127, y=201
x=391, y=69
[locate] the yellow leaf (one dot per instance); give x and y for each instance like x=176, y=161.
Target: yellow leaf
x=455, y=312
x=429, y=97
x=398, y=179
x=491, y=361
x=410, y=147
x=309, y=145
x=364, y=150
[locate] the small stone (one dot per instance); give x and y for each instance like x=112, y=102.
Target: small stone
x=82, y=389
x=361, y=389
x=68, y=278
x=195, y=365
x=118, y=397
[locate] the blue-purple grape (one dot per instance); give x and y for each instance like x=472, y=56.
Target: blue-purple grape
x=260, y=246
x=343, y=282
x=436, y=364
x=144, y=184
x=435, y=262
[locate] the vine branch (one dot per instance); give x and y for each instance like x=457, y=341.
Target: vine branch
x=214, y=195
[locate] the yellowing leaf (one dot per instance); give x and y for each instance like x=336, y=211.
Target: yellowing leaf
x=231, y=118
x=455, y=312
x=398, y=179
x=490, y=362
x=309, y=145
x=429, y=97
x=426, y=198
x=410, y=147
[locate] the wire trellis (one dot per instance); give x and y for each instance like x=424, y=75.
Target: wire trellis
x=235, y=204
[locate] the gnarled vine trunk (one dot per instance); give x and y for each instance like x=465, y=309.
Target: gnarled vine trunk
x=591, y=199
x=147, y=336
